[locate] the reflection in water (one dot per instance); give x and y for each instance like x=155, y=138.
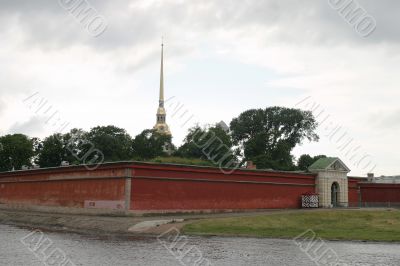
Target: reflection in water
x=89, y=250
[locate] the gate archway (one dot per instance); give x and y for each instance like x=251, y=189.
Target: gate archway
x=335, y=194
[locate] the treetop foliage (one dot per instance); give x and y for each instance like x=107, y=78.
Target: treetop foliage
x=265, y=136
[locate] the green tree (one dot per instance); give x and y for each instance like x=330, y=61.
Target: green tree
x=15, y=151
x=77, y=146
x=37, y=145
x=212, y=144
x=150, y=144
x=112, y=142
x=306, y=160
x=52, y=151
x=59, y=147
x=268, y=136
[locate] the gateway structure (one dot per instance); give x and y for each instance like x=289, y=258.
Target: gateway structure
x=332, y=184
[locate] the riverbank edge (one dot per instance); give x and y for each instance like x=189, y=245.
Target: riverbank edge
x=120, y=226
x=86, y=225
x=104, y=222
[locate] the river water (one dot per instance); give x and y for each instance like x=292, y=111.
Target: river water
x=17, y=247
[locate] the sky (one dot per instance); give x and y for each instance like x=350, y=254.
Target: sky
x=59, y=72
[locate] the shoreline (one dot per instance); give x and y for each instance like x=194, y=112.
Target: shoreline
x=103, y=225
x=131, y=235
x=130, y=226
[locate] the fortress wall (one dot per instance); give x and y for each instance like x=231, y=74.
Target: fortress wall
x=65, y=187
x=353, y=192
x=185, y=188
x=154, y=187
x=380, y=193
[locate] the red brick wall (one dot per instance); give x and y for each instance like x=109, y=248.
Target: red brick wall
x=66, y=193
x=180, y=188
x=156, y=187
x=380, y=192
x=64, y=186
x=353, y=192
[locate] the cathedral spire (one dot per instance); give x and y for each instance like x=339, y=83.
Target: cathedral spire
x=161, y=104
x=161, y=124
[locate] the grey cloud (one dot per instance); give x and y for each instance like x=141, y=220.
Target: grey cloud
x=33, y=127
x=26, y=6
x=46, y=23
x=2, y=106
x=386, y=120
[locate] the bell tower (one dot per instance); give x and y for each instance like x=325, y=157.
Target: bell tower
x=161, y=124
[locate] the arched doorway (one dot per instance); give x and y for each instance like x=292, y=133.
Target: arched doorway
x=335, y=194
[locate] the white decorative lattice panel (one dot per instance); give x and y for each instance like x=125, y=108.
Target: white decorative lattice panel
x=309, y=201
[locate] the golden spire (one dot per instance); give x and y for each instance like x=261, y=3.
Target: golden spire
x=161, y=104
x=161, y=124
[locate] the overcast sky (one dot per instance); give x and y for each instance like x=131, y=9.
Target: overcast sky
x=222, y=57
